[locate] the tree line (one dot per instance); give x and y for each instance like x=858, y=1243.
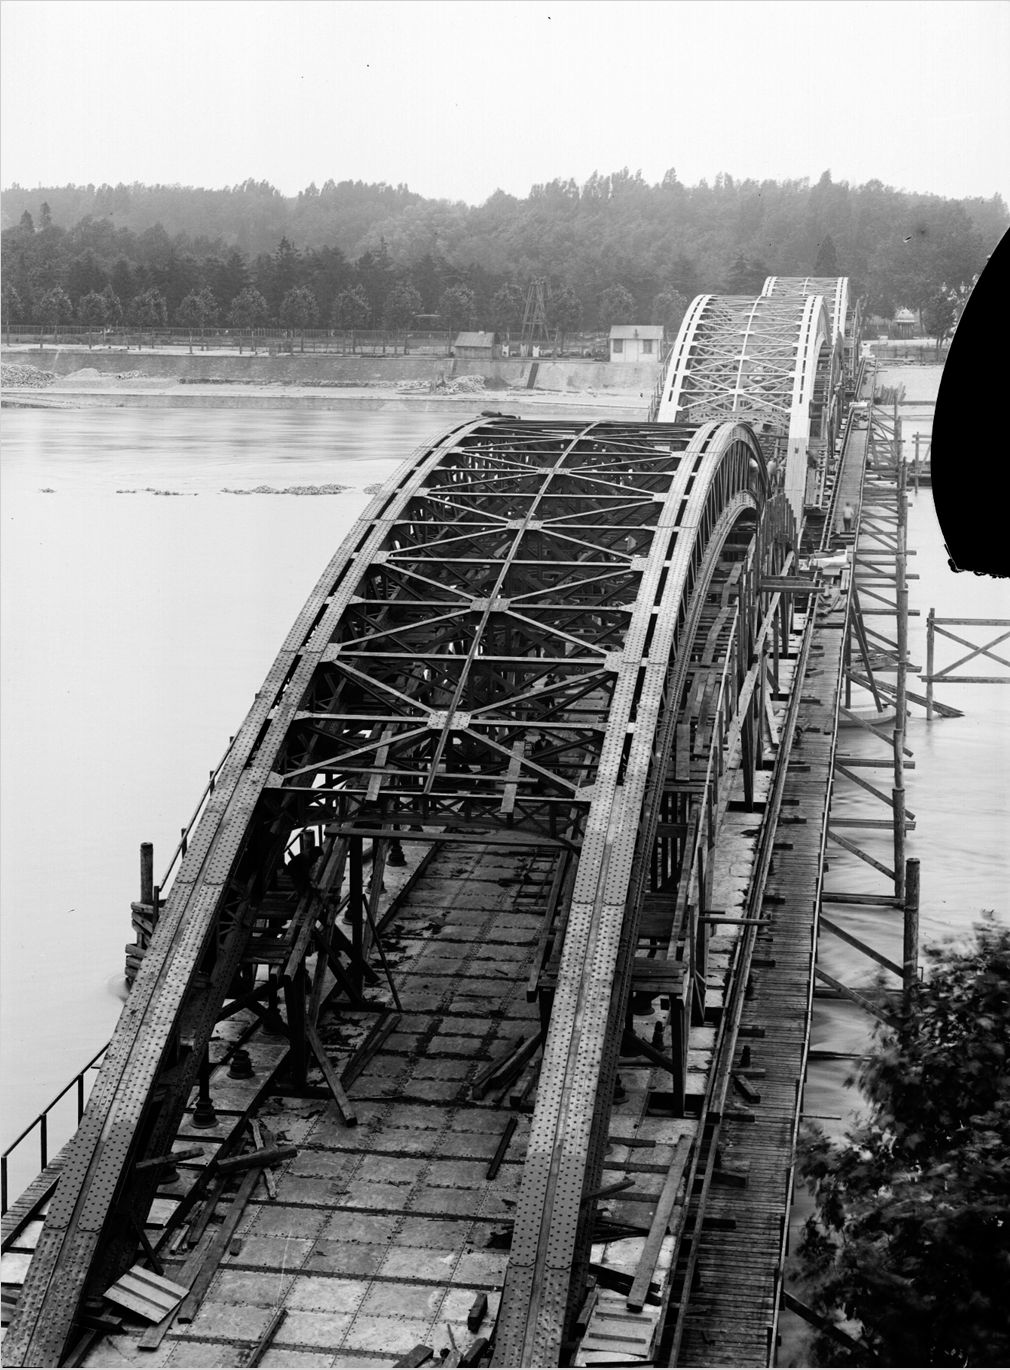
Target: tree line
x=352, y=255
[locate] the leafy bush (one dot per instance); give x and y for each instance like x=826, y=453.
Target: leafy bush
x=910, y=1241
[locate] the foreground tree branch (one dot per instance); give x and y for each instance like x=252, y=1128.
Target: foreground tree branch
x=909, y=1248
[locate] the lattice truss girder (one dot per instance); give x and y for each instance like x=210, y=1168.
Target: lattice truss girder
x=504, y=644
x=833, y=289
x=472, y=673
x=737, y=356
x=621, y=861
x=769, y=360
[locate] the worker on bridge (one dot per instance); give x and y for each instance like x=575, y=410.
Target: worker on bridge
x=300, y=866
x=848, y=514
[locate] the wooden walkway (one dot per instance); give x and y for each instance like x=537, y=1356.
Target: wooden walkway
x=732, y=1311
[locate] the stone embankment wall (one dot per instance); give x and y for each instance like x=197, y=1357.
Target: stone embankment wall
x=563, y=374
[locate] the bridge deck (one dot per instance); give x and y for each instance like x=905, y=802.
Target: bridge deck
x=382, y=1235
x=398, y=1210
x=732, y=1312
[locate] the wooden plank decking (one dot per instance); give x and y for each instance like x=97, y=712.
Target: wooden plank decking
x=733, y=1309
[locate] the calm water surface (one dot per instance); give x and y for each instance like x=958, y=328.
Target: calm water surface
x=137, y=628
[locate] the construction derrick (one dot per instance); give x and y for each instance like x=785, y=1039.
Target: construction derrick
x=535, y=332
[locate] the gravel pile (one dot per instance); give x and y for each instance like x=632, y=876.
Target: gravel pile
x=462, y=385
x=26, y=377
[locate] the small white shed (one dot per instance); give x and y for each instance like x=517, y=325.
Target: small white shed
x=474, y=346
x=636, y=342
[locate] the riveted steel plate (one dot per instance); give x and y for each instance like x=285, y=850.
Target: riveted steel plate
x=532, y=745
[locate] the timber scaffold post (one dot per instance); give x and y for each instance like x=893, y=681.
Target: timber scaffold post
x=482, y=792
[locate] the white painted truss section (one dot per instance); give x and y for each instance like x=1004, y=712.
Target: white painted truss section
x=835, y=290
x=769, y=360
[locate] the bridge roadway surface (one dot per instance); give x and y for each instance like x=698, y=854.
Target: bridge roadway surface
x=732, y=1315
x=381, y=1235
x=626, y=979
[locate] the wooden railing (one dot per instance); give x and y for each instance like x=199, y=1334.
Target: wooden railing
x=942, y=626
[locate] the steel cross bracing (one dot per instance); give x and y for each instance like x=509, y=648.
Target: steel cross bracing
x=524, y=640
x=833, y=289
x=845, y=334
x=153, y=1059
x=712, y=500
x=770, y=360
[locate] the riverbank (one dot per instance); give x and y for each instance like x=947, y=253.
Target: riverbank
x=171, y=395
x=94, y=379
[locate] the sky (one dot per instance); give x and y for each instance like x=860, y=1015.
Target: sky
x=461, y=98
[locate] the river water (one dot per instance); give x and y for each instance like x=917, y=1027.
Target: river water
x=138, y=626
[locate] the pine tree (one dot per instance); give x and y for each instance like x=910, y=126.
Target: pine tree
x=456, y=307
x=54, y=307
x=92, y=309
x=299, y=311
x=351, y=309
x=617, y=305
x=827, y=257
x=402, y=304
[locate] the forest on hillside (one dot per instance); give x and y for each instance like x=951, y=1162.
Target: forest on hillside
x=355, y=255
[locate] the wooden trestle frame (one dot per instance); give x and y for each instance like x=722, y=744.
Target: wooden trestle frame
x=550, y=635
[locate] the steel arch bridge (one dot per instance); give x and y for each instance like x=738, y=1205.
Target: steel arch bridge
x=775, y=360
x=833, y=289
x=541, y=636
x=844, y=309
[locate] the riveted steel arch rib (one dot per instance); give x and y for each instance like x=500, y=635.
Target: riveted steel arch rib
x=764, y=359
x=726, y=479
x=673, y=389
x=813, y=363
x=166, y=1023
x=497, y=647
x=835, y=290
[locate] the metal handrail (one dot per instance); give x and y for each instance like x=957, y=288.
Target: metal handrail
x=657, y=389
x=41, y=1121
x=724, y=1049
x=201, y=804
x=830, y=512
